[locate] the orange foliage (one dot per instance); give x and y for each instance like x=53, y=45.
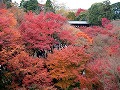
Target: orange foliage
x=81, y=38
x=10, y=44
x=7, y=19
x=67, y=66
x=18, y=13
x=82, y=34
x=9, y=38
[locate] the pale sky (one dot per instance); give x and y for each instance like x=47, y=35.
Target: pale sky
x=75, y=4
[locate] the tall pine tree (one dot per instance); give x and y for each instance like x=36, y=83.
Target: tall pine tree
x=49, y=7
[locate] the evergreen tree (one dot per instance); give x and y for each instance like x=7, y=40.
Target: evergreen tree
x=116, y=10
x=98, y=11
x=30, y=5
x=49, y=6
x=22, y=3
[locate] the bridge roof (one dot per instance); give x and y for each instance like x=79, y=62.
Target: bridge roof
x=78, y=22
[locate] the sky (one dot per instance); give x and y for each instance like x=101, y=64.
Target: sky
x=74, y=4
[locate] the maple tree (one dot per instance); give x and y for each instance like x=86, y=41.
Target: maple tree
x=106, y=23
x=43, y=31
x=79, y=11
x=105, y=54
x=10, y=45
x=18, y=14
x=87, y=58
x=9, y=37
x=68, y=66
x=105, y=71
x=80, y=37
x=30, y=71
x=82, y=34
x=81, y=15
x=7, y=19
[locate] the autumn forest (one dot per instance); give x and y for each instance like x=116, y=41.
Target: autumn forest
x=42, y=51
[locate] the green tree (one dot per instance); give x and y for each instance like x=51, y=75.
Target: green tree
x=30, y=5
x=7, y=3
x=97, y=11
x=49, y=6
x=116, y=10
x=107, y=10
x=22, y=3
x=71, y=16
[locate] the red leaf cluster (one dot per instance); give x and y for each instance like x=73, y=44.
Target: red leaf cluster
x=38, y=31
x=94, y=66
x=106, y=23
x=30, y=70
x=79, y=11
x=9, y=37
x=104, y=70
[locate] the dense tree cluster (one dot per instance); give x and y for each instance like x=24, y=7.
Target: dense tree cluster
x=43, y=52
x=33, y=5
x=97, y=11
x=29, y=5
